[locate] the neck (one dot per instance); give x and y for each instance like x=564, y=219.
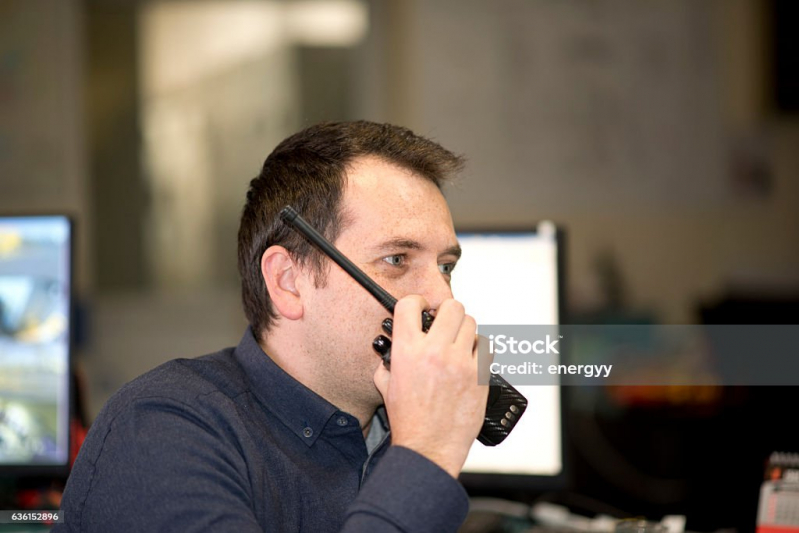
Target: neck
x=297, y=363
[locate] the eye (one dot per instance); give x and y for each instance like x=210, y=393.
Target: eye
x=395, y=260
x=446, y=268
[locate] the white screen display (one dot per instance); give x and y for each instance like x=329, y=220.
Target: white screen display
x=512, y=279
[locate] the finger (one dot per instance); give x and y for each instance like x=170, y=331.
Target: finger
x=408, y=315
x=483, y=347
x=467, y=334
x=484, y=360
x=448, y=321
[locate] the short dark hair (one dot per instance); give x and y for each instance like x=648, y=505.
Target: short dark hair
x=307, y=171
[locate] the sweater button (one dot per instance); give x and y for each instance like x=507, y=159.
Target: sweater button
x=308, y=432
x=342, y=421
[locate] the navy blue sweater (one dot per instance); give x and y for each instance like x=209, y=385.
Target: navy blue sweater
x=230, y=442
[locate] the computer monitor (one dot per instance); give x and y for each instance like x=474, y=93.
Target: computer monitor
x=516, y=278
x=35, y=303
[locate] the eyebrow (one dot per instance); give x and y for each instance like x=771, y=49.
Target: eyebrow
x=454, y=250
x=410, y=244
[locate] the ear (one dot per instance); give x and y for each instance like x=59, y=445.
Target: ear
x=280, y=276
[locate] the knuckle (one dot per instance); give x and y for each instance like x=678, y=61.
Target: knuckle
x=410, y=303
x=452, y=306
x=470, y=322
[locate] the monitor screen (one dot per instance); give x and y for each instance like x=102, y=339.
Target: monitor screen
x=35, y=274
x=514, y=279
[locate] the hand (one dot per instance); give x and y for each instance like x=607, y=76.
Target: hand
x=434, y=403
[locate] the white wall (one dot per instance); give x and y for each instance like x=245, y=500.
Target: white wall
x=42, y=149
x=618, y=119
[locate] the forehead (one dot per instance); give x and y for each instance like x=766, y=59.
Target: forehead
x=384, y=199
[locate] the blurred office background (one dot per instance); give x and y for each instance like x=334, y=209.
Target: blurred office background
x=662, y=135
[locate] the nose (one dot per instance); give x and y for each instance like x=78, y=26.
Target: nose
x=435, y=287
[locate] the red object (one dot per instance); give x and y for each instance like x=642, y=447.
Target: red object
x=77, y=436
x=777, y=529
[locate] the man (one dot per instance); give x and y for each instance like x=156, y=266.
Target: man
x=286, y=431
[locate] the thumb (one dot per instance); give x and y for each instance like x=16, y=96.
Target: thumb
x=381, y=380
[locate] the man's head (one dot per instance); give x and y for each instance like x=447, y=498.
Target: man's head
x=309, y=171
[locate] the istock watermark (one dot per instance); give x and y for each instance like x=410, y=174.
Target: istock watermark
x=538, y=369
x=662, y=355
x=501, y=344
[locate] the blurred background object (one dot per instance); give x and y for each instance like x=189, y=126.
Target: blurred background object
x=661, y=135
x=35, y=326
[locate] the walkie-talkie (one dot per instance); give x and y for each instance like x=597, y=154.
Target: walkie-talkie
x=505, y=404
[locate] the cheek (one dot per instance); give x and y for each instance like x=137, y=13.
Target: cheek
x=344, y=308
